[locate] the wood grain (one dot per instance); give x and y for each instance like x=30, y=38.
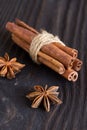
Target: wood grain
x=66, y=18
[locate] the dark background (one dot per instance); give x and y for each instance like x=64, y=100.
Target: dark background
x=68, y=19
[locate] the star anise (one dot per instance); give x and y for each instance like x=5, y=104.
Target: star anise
x=46, y=95
x=9, y=67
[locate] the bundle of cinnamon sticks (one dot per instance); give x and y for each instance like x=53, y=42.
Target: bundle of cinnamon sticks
x=61, y=59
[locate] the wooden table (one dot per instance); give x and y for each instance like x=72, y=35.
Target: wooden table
x=68, y=19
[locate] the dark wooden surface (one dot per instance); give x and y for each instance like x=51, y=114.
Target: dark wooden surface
x=68, y=19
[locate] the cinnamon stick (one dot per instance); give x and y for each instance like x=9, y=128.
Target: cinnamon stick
x=77, y=64
x=42, y=58
x=68, y=50
x=55, y=64
x=50, y=49
x=58, y=54
x=22, y=33
x=71, y=75
x=61, y=59
x=22, y=24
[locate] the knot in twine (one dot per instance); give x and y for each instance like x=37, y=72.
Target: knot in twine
x=39, y=41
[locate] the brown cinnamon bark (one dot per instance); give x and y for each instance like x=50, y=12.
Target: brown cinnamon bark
x=50, y=49
x=77, y=64
x=71, y=75
x=42, y=58
x=22, y=24
x=55, y=64
x=68, y=50
x=22, y=33
x=56, y=56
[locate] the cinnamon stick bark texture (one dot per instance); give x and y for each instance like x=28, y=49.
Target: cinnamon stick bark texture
x=43, y=58
x=68, y=50
x=61, y=58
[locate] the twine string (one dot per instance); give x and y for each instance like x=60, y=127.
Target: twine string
x=40, y=40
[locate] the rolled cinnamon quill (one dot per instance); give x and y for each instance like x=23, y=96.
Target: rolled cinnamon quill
x=71, y=75
x=50, y=49
x=43, y=58
x=68, y=50
x=77, y=64
x=56, y=56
